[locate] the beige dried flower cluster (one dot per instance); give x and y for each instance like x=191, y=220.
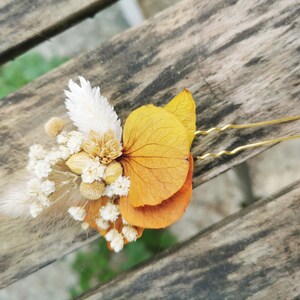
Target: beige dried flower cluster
x=82, y=162
x=106, y=147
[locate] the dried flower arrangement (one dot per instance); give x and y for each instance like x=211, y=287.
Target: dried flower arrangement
x=118, y=181
x=112, y=180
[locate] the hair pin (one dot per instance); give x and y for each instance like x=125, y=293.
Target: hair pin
x=248, y=146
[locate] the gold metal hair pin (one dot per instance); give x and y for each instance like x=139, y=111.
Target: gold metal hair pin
x=248, y=146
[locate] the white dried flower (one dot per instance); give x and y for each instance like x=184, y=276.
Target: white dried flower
x=121, y=186
x=110, y=212
x=37, y=152
x=108, y=191
x=117, y=243
x=89, y=110
x=62, y=138
x=35, y=209
x=102, y=224
x=93, y=170
x=75, y=141
x=85, y=226
x=42, y=169
x=64, y=152
x=77, y=213
x=130, y=233
x=40, y=190
x=35, y=187
x=43, y=200
x=47, y=187
x=53, y=157
x=112, y=234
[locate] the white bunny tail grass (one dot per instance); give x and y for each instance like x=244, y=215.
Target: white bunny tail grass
x=89, y=110
x=16, y=202
x=25, y=237
x=13, y=202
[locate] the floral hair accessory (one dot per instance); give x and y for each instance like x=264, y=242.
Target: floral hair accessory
x=117, y=181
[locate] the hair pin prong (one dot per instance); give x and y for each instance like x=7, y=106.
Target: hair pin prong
x=246, y=147
x=250, y=125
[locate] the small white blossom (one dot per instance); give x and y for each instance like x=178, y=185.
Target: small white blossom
x=108, y=191
x=42, y=169
x=78, y=213
x=93, y=170
x=35, y=209
x=37, y=152
x=85, y=226
x=102, y=224
x=40, y=190
x=47, y=187
x=43, y=200
x=117, y=243
x=112, y=234
x=130, y=233
x=64, y=152
x=121, y=186
x=75, y=141
x=110, y=212
x=53, y=157
x=62, y=138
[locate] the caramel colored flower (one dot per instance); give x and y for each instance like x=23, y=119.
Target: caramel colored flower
x=106, y=147
x=156, y=157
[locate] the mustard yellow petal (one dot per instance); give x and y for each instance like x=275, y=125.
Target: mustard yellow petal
x=183, y=107
x=155, y=155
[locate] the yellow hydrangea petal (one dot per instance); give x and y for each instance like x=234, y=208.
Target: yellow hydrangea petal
x=183, y=107
x=155, y=155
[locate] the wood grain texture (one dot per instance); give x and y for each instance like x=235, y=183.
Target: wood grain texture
x=253, y=254
x=26, y=23
x=240, y=59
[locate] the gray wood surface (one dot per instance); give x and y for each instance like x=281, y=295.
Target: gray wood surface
x=25, y=23
x=240, y=59
x=253, y=254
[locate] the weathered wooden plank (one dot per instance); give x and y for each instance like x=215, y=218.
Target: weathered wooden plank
x=253, y=254
x=239, y=58
x=26, y=23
